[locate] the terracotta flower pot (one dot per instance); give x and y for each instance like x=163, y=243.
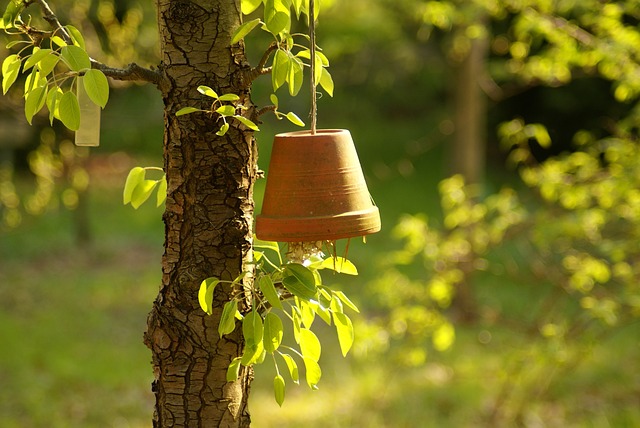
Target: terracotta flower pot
x=315, y=190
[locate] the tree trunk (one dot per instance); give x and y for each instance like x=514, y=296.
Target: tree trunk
x=468, y=146
x=208, y=219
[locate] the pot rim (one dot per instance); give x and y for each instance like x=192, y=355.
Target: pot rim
x=307, y=133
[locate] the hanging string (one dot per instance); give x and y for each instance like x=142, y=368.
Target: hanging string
x=312, y=39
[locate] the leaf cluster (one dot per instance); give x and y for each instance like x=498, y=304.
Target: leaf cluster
x=283, y=292
x=138, y=188
x=53, y=72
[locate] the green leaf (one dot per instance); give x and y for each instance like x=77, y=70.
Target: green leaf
x=187, y=110
x=293, y=118
x=322, y=311
x=313, y=372
x=205, y=90
x=34, y=80
x=142, y=192
x=48, y=63
x=14, y=8
x=296, y=76
x=34, y=101
x=346, y=301
x=35, y=57
x=299, y=281
x=307, y=314
x=205, y=294
x=223, y=129
x=279, y=69
x=269, y=291
x=162, y=191
x=229, y=97
x=344, y=328
x=58, y=41
x=340, y=265
x=10, y=71
x=245, y=28
x=252, y=328
x=274, y=99
x=226, y=110
x=326, y=82
x=273, y=332
x=53, y=98
x=253, y=353
x=309, y=344
x=75, y=57
x=233, y=371
x=297, y=6
x=295, y=321
x=246, y=122
x=69, y=111
x=292, y=366
x=278, y=389
x=249, y=6
x=228, y=318
x=75, y=34
x=135, y=177
x=268, y=245
x=276, y=16
x=97, y=87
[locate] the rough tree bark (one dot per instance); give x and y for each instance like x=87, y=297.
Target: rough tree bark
x=208, y=218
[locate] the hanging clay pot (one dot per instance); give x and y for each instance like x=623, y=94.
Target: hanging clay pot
x=315, y=190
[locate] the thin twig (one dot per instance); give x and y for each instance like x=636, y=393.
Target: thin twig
x=312, y=38
x=266, y=109
x=260, y=69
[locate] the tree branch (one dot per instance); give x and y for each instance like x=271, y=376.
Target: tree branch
x=260, y=69
x=133, y=72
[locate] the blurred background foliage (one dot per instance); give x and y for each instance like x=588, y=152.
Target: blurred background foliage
x=500, y=140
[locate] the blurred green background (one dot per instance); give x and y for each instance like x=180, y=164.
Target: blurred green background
x=79, y=271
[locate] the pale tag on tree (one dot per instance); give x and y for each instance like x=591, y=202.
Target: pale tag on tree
x=88, y=134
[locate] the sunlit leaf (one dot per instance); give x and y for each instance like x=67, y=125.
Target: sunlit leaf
x=229, y=97
x=223, y=129
x=295, y=76
x=310, y=344
x=344, y=328
x=97, y=87
x=278, y=389
x=252, y=328
x=249, y=6
x=205, y=294
x=10, y=71
x=69, y=110
x=135, y=177
x=293, y=118
x=161, y=195
x=77, y=37
x=326, y=82
x=276, y=16
x=205, y=90
x=34, y=101
x=313, y=373
x=35, y=57
x=187, y=110
x=299, y=281
x=273, y=332
x=346, y=300
x=228, y=319
x=226, y=110
x=340, y=265
x=142, y=192
x=279, y=69
x=292, y=366
x=246, y=122
x=269, y=291
x=75, y=57
x=233, y=371
x=245, y=28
